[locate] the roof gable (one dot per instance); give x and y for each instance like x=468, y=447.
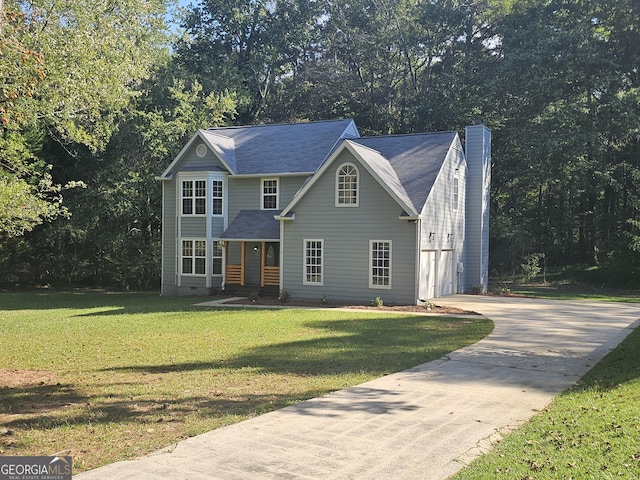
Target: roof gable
x=285, y=148
x=295, y=148
x=406, y=166
x=222, y=148
x=416, y=159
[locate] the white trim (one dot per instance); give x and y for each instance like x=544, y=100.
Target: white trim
x=305, y=273
x=455, y=193
x=221, y=179
x=201, y=150
x=193, y=178
x=193, y=257
x=349, y=146
x=337, y=185
x=262, y=194
x=211, y=256
x=216, y=149
x=389, y=267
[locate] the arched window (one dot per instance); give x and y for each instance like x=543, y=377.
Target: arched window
x=347, y=179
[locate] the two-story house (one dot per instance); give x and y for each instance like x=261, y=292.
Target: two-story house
x=318, y=211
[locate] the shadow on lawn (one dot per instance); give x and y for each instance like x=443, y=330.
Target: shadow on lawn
x=115, y=303
x=378, y=346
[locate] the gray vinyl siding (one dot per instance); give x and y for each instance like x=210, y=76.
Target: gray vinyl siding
x=191, y=161
x=193, y=227
x=245, y=193
x=442, y=225
x=477, y=147
x=346, y=232
x=217, y=226
x=169, y=223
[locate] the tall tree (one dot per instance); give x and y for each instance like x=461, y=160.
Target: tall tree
x=568, y=85
x=68, y=69
x=247, y=47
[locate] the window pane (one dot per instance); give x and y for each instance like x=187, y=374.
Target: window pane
x=217, y=258
x=200, y=206
x=217, y=197
x=201, y=188
x=200, y=266
x=381, y=264
x=187, y=189
x=347, y=185
x=217, y=206
x=269, y=194
x=186, y=265
x=313, y=261
x=269, y=203
x=187, y=206
x=455, y=193
x=201, y=248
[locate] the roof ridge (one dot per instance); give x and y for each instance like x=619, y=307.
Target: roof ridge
x=285, y=124
x=398, y=135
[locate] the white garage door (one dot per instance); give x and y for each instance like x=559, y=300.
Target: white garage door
x=445, y=272
x=428, y=280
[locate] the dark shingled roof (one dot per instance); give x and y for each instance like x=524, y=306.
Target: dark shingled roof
x=284, y=148
x=253, y=225
x=416, y=159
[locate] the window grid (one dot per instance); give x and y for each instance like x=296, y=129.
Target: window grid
x=194, y=197
x=313, y=262
x=194, y=257
x=217, y=258
x=456, y=193
x=348, y=185
x=217, y=194
x=381, y=264
x=270, y=194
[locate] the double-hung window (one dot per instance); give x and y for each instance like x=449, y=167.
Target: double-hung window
x=380, y=264
x=456, y=193
x=194, y=257
x=269, y=197
x=313, y=262
x=217, y=258
x=217, y=193
x=347, y=186
x=194, y=197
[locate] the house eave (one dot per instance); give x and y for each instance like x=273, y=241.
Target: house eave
x=249, y=239
x=285, y=218
x=271, y=174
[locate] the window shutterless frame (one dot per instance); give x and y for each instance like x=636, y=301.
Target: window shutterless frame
x=193, y=257
x=269, y=193
x=313, y=266
x=347, y=185
x=380, y=264
x=193, y=194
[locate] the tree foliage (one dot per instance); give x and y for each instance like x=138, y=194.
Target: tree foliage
x=557, y=81
x=68, y=69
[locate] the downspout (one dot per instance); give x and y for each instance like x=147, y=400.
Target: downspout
x=281, y=256
x=418, y=260
x=162, y=242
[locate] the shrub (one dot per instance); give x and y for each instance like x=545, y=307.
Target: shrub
x=377, y=302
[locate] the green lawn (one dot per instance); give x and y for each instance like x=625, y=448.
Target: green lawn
x=108, y=376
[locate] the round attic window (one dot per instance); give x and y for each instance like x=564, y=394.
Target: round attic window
x=201, y=150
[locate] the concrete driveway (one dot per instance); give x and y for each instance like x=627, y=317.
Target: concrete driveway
x=423, y=423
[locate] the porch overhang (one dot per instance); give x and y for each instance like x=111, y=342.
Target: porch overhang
x=253, y=225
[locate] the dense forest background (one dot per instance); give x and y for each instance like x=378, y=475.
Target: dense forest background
x=98, y=96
